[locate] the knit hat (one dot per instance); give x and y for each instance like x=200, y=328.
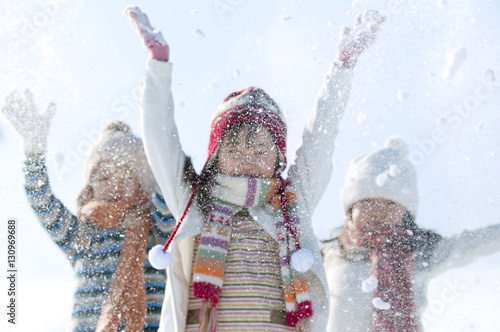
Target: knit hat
x=248, y=105
x=118, y=145
x=384, y=173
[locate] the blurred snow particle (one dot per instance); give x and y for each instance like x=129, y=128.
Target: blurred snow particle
x=381, y=178
x=59, y=159
x=480, y=126
x=330, y=24
x=181, y=103
x=491, y=200
x=236, y=72
x=454, y=59
x=442, y=3
x=286, y=18
x=214, y=83
x=369, y=285
x=394, y=170
x=195, y=12
x=198, y=33
x=355, y=213
x=380, y=304
x=489, y=74
x=442, y=122
x=354, y=3
x=362, y=117
x=403, y=95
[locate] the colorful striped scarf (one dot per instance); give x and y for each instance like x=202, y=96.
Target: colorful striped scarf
x=229, y=195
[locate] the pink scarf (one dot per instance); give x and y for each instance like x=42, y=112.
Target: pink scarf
x=392, y=264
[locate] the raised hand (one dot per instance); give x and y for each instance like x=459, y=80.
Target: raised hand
x=31, y=125
x=353, y=42
x=151, y=37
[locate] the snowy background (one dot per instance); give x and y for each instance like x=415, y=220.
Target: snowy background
x=420, y=80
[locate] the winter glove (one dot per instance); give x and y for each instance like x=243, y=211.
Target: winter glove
x=353, y=42
x=32, y=126
x=151, y=37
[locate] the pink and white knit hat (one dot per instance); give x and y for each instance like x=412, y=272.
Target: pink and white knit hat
x=248, y=105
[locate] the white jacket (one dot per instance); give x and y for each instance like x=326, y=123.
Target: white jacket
x=351, y=308
x=310, y=173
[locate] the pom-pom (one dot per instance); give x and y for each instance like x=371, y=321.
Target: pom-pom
x=158, y=258
x=398, y=144
x=118, y=126
x=302, y=260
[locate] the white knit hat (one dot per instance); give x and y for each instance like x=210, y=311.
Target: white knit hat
x=384, y=173
x=119, y=145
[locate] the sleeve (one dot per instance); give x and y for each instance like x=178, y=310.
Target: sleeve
x=161, y=138
x=312, y=167
x=162, y=221
x=464, y=248
x=57, y=220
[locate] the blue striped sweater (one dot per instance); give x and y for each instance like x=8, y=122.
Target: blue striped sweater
x=93, y=251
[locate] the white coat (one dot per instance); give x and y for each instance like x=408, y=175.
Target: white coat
x=310, y=174
x=351, y=308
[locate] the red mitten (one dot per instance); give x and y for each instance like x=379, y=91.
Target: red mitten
x=151, y=37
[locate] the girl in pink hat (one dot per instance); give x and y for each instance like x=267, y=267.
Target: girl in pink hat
x=243, y=256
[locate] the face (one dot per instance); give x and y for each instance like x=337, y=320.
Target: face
x=374, y=219
x=113, y=182
x=248, y=153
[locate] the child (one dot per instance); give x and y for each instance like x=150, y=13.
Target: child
x=236, y=263
x=379, y=266
x=107, y=242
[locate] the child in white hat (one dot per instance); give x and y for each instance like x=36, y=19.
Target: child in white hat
x=118, y=222
x=379, y=266
x=243, y=255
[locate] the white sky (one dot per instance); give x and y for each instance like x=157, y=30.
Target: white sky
x=85, y=57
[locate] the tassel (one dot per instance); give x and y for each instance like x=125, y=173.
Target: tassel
x=300, y=326
x=203, y=319
x=212, y=322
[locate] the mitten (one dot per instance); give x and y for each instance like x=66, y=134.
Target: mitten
x=31, y=125
x=355, y=41
x=151, y=37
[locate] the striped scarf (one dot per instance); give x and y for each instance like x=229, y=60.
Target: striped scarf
x=229, y=195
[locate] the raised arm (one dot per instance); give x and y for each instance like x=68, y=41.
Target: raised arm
x=312, y=168
x=161, y=138
x=162, y=220
x=33, y=127
x=464, y=248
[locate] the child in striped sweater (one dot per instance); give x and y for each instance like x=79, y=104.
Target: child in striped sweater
x=121, y=217
x=243, y=255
